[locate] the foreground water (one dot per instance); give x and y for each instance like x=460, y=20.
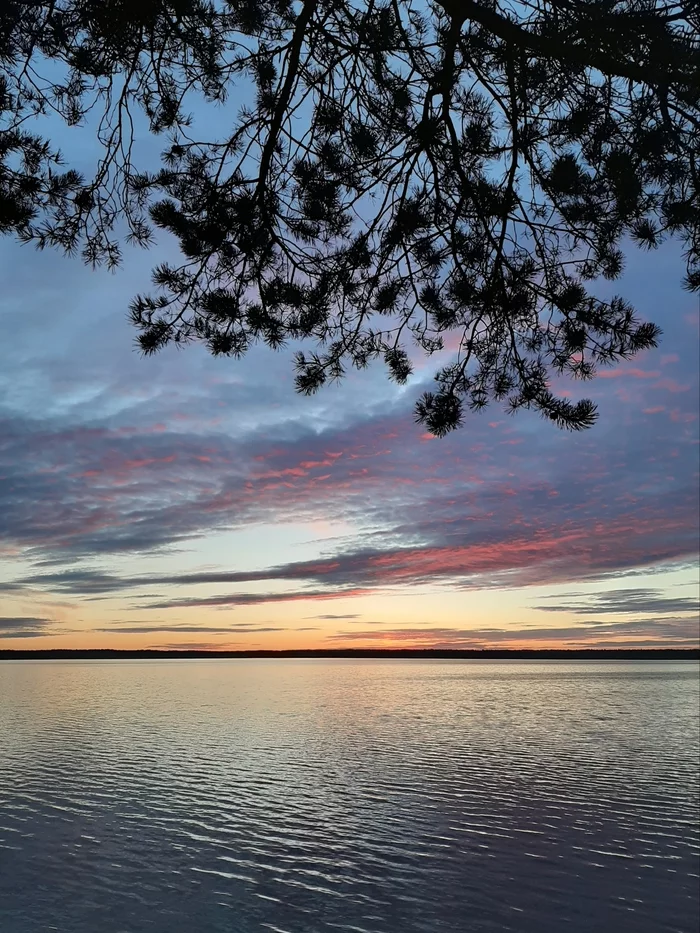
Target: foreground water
x=382, y=797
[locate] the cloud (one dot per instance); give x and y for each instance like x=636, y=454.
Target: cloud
x=253, y=599
x=330, y=615
x=134, y=489
x=629, y=372
x=24, y=634
x=196, y=646
x=475, y=531
x=622, y=601
x=83, y=582
x=200, y=629
x=523, y=543
x=18, y=622
x=24, y=627
x=671, y=632
x=104, y=455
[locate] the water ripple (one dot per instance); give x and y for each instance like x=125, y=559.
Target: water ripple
x=367, y=797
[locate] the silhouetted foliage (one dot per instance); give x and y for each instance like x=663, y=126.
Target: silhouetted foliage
x=380, y=170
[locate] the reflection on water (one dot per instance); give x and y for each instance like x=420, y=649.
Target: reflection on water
x=368, y=796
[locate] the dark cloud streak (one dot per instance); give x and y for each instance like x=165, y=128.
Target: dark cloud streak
x=622, y=602
x=24, y=627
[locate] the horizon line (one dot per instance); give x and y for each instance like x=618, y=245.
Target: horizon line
x=11, y=654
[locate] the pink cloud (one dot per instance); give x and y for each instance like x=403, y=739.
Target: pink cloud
x=629, y=373
x=312, y=464
x=671, y=385
x=693, y=320
x=682, y=417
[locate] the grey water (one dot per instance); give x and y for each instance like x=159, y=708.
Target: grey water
x=304, y=796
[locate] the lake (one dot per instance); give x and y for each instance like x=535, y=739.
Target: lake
x=304, y=796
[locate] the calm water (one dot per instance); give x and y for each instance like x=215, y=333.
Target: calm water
x=376, y=797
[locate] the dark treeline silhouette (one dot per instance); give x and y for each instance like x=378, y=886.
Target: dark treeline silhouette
x=487, y=654
x=366, y=174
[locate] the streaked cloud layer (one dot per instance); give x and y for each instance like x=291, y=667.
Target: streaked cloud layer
x=185, y=496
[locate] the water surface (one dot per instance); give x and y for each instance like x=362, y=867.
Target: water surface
x=305, y=796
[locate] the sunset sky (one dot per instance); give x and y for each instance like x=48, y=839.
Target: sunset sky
x=183, y=501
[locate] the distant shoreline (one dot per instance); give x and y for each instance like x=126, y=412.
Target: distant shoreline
x=579, y=654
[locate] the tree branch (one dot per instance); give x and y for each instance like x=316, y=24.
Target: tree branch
x=286, y=92
x=564, y=50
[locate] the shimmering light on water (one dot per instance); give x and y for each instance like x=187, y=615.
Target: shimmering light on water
x=366, y=796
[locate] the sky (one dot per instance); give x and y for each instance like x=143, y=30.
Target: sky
x=182, y=501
